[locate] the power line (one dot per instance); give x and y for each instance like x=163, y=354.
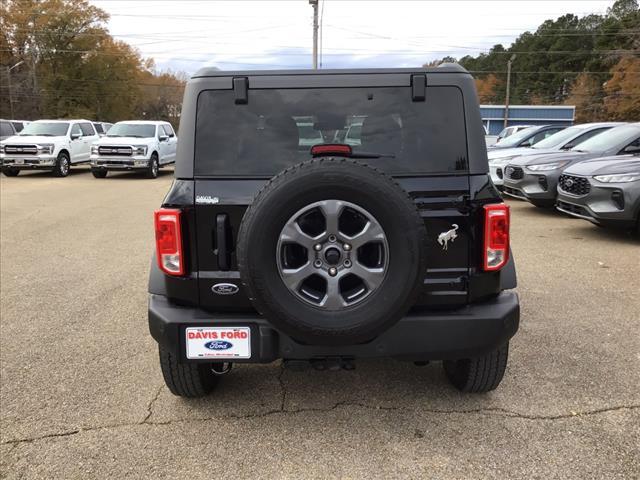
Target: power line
x=185, y=35
x=549, y=72
x=380, y=52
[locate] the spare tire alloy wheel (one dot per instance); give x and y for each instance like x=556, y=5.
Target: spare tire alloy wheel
x=335, y=268
x=332, y=252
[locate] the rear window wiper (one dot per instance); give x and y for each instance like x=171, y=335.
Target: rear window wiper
x=344, y=150
x=372, y=155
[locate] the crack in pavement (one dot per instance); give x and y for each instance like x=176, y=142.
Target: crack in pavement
x=283, y=388
x=496, y=411
x=89, y=429
x=150, y=404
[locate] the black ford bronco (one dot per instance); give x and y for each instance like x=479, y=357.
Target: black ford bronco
x=326, y=216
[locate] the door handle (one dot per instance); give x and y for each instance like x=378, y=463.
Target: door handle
x=223, y=241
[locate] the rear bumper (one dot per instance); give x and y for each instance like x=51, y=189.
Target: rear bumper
x=435, y=335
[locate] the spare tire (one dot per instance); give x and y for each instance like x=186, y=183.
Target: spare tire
x=332, y=252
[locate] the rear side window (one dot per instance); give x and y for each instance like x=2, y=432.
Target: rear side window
x=635, y=143
x=87, y=129
x=168, y=130
x=276, y=129
x=585, y=136
x=99, y=128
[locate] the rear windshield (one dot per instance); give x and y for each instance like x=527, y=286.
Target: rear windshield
x=276, y=129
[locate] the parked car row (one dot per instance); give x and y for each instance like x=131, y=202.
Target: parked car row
x=591, y=171
x=563, y=140
x=57, y=145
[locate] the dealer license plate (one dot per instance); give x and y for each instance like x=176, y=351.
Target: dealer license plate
x=218, y=342
x=19, y=161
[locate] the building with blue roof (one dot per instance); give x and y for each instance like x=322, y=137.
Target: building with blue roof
x=493, y=116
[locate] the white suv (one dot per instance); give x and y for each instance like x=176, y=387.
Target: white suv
x=48, y=145
x=134, y=145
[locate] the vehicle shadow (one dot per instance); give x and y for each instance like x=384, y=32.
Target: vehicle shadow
x=163, y=172
x=579, y=228
x=375, y=384
x=547, y=212
x=73, y=171
x=588, y=231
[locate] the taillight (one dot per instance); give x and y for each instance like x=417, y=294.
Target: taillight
x=169, y=241
x=326, y=149
x=496, y=236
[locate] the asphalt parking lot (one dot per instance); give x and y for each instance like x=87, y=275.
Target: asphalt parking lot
x=82, y=394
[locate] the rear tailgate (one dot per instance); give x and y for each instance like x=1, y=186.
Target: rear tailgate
x=441, y=201
x=251, y=128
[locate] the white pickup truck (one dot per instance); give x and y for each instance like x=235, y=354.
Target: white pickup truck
x=134, y=145
x=53, y=145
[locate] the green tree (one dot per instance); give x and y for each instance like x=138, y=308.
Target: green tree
x=564, y=58
x=71, y=66
x=160, y=95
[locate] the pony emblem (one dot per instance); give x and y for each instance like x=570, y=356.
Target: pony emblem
x=445, y=237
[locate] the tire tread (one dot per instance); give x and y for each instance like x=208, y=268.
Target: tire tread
x=189, y=380
x=480, y=374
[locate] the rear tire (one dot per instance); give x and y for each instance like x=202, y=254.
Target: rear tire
x=10, y=171
x=480, y=374
x=63, y=165
x=99, y=172
x=152, y=169
x=189, y=380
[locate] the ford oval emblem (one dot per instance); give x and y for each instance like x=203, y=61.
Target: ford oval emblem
x=225, y=289
x=218, y=345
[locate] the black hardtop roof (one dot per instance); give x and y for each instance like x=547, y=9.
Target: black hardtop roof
x=443, y=68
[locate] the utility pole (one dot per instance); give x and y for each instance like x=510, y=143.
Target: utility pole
x=10, y=94
x=9, y=85
x=506, y=102
x=314, y=4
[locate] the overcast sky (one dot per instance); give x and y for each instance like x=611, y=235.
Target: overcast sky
x=232, y=35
